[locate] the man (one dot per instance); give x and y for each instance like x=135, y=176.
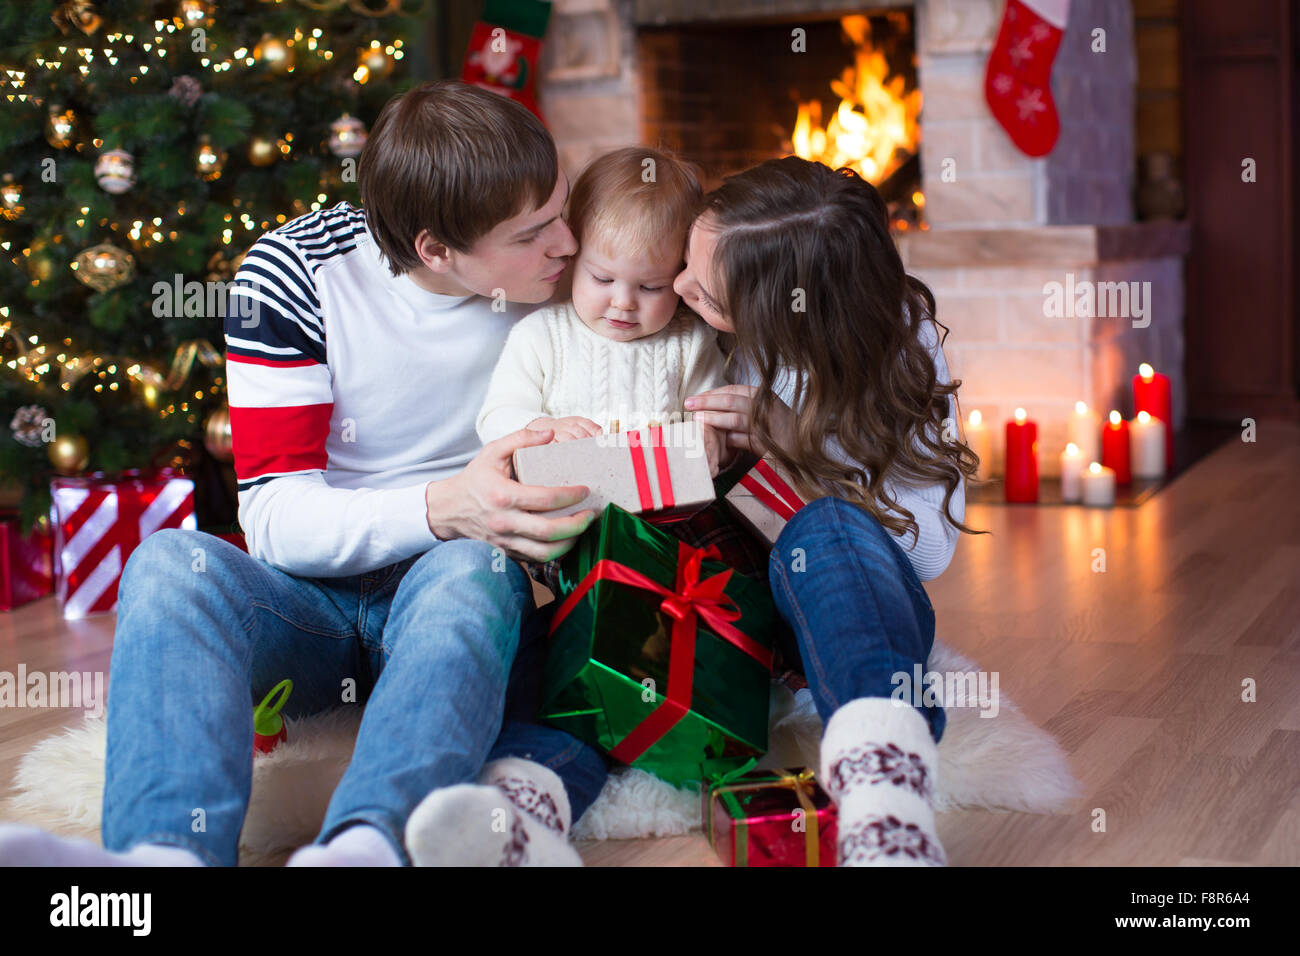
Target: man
x=359, y=347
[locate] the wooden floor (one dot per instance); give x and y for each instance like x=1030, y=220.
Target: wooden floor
x=1138, y=671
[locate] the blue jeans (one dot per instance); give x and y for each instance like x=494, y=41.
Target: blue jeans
x=856, y=607
x=428, y=645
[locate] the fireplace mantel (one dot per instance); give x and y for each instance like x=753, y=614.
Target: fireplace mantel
x=1058, y=246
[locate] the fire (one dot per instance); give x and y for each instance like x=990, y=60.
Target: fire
x=874, y=129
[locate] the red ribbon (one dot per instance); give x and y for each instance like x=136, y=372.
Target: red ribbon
x=692, y=600
x=784, y=502
x=641, y=470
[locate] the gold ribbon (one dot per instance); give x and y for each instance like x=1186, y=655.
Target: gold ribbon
x=802, y=784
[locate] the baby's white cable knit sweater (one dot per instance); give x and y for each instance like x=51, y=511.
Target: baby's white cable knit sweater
x=555, y=366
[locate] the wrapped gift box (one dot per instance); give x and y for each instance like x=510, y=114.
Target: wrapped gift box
x=771, y=818
x=659, y=469
x=26, y=562
x=659, y=655
x=764, y=500
x=98, y=522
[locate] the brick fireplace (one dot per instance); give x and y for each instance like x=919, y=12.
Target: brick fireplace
x=999, y=227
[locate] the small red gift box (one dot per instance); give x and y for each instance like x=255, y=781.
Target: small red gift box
x=26, y=563
x=771, y=818
x=764, y=500
x=99, y=521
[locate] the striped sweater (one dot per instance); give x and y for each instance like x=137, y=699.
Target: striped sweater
x=350, y=390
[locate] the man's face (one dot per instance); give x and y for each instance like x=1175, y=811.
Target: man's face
x=691, y=282
x=522, y=258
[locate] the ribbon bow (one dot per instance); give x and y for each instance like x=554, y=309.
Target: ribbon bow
x=802, y=783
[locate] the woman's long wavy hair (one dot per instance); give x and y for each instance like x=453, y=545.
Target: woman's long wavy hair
x=795, y=234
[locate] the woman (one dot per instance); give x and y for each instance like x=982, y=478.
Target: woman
x=841, y=382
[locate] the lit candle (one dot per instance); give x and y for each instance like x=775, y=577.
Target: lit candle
x=980, y=439
x=1098, y=485
x=1071, y=467
x=1147, y=446
x=1151, y=395
x=1114, y=448
x=1085, y=431
x=1021, y=469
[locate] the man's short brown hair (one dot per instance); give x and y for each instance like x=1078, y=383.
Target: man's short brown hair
x=456, y=160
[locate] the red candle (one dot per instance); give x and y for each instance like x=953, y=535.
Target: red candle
x=1151, y=395
x=1022, y=459
x=1114, y=448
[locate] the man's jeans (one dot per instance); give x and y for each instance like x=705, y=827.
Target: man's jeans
x=860, y=615
x=431, y=646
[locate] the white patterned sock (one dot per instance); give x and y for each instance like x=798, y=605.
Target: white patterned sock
x=878, y=762
x=359, y=845
x=29, y=846
x=517, y=815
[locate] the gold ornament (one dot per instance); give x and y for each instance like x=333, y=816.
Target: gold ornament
x=275, y=53
x=210, y=161
x=193, y=13
x=11, y=197
x=216, y=434
x=79, y=14
x=261, y=151
x=69, y=454
x=104, y=267
x=347, y=136
x=221, y=269
x=373, y=64
x=59, y=127
x=115, y=171
x=40, y=262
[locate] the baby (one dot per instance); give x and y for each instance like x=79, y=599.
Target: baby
x=624, y=353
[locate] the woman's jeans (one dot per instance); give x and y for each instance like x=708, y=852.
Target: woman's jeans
x=856, y=606
x=431, y=646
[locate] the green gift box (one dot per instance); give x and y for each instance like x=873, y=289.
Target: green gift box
x=660, y=655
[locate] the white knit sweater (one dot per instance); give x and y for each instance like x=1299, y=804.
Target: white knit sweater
x=555, y=366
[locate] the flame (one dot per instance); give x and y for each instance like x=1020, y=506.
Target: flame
x=874, y=130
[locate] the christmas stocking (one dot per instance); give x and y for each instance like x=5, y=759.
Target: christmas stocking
x=503, y=48
x=1017, y=84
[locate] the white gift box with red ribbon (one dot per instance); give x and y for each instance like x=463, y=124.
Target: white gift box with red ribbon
x=98, y=522
x=764, y=500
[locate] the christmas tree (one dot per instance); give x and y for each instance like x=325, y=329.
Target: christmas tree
x=143, y=147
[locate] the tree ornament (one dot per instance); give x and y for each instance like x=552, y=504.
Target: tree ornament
x=59, y=127
x=216, y=434
x=186, y=90
x=27, y=425
x=274, y=53
x=40, y=263
x=209, y=161
x=222, y=269
x=11, y=198
x=76, y=14
x=69, y=454
x=105, y=267
x=373, y=63
x=383, y=9
x=261, y=151
x=192, y=14
x=115, y=171
x=347, y=136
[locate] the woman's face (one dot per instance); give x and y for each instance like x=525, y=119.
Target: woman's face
x=692, y=283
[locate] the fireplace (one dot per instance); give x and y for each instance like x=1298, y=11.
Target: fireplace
x=723, y=82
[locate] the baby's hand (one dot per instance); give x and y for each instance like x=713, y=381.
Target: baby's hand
x=566, y=429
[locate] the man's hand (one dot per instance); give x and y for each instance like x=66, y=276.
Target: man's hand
x=566, y=429
x=484, y=502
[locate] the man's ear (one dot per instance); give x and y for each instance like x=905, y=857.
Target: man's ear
x=434, y=254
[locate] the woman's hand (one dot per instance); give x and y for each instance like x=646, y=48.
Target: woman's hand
x=566, y=429
x=729, y=410
x=716, y=451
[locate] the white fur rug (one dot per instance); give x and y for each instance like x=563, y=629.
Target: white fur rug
x=997, y=763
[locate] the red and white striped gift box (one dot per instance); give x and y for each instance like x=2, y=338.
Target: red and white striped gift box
x=98, y=523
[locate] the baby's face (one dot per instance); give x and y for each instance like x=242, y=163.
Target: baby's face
x=623, y=298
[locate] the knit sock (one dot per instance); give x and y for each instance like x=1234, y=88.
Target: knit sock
x=359, y=845
x=517, y=815
x=878, y=762
x=28, y=846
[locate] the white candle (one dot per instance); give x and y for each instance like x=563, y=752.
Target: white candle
x=1098, y=484
x=980, y=438
x=1071, y=470
x=1085, y=431
x=1147, y=446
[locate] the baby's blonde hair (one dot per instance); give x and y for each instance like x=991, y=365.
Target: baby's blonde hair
x=638, y=200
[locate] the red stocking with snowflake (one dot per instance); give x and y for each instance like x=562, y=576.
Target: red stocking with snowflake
x=1017, y=84
x=503, y=48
